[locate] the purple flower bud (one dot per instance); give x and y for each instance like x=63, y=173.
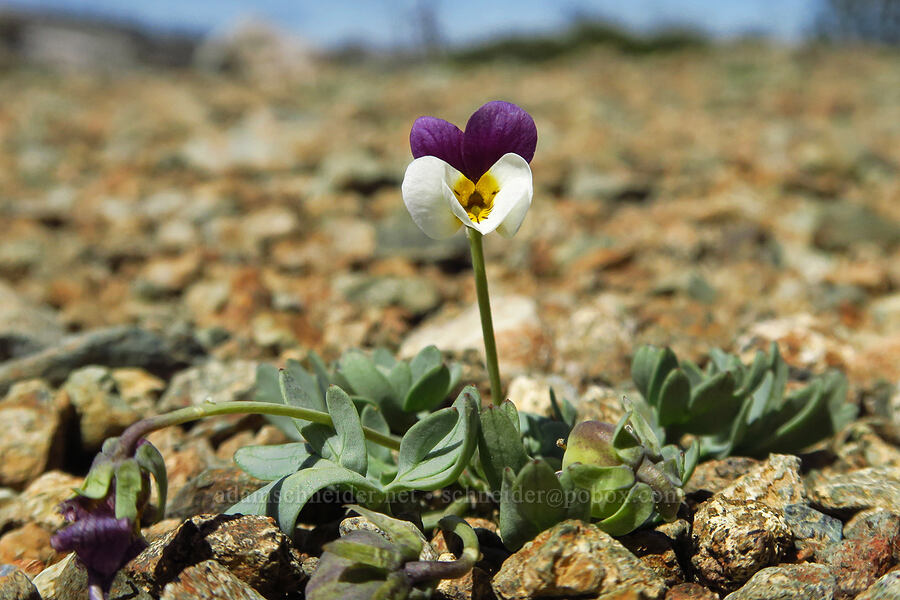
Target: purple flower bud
x=103, y=542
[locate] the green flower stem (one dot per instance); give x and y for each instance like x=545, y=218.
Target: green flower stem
x=129, y=439
x=484, y=307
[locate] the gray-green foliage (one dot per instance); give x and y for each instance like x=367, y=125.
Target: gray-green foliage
x=739, y=409
x=534, y=494
x=631, y=477
x=432, y=453
x=398, y=389
x=363, y=564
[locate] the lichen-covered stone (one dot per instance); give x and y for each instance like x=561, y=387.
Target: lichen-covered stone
x=251, y=547
x=575, y=559
x=876, y=522
x=39, y=501
x=208, y=580
x=124, y=346
x=856, y=564
x=690, y=591
x=102, y=411
x=32, y=434
x=213, y=381
x=15, y=585
x=886, y=588
x=716, y=475
x=66, y=580
x=734, y=540
x=859, y=446
x=813, y=531
x=212, y=491
x=657, y=552
x=185, y=456
x=474, y=585
x=876, y=487
x=775, y=482
x=871, y=548
x=806, y=581
x=27, y=544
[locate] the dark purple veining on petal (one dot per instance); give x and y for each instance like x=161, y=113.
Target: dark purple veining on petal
x=101, y=542
x=431, y=136
x=493, y=130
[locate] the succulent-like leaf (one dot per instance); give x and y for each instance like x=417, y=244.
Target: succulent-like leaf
x=363, y=377
x=344, y=443
x=499, y=444
x=608, y=486
x=591, y=477
x=383, y=559
x=563, y=410
x=297, y=489
x=530, y=502
x=737, y=408
x=428, y=390
x=713, y=405
x=624, y=442
x=404, y=535
x=674, y=396
x=383, y=359
x=150, y=460
x=633, y=512
x=425, y=361
x=323, y=379
x=339, y=577
x=268, y=389
x=96, y=483
x=578, y=500
x=401, y=380
x=273, y=462
x=298, y=388
x=435, y=450
x=263, y=502
x=691, y=458
x=643, y=368
x=128, y=489
x=754, y=375
x=645, y=434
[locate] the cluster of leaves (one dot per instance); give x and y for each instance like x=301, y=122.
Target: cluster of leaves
x=619, y=475
x=365, y=564
x=127, y=480
x=432, y=453
x=738, y=409
x=399, y=390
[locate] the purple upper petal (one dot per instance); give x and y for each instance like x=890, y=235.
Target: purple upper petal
x=431, y=136
x=493, y=130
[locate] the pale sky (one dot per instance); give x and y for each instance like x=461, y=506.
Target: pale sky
x=388, y=23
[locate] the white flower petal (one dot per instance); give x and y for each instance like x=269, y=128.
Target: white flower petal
x=513, y=177
x=425, y=193
x=518, y=177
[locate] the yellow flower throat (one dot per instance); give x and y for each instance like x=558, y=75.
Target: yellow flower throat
x=476, y=198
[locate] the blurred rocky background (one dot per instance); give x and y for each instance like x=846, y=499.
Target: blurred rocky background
x=179, y=204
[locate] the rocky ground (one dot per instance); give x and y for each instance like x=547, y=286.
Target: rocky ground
x=163, y=233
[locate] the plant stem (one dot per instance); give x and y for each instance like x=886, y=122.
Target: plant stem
x=129, y=439
x=484, y=308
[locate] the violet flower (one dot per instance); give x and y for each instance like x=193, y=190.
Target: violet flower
x=479, y=178
x=105, y=514
x=102, y=542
